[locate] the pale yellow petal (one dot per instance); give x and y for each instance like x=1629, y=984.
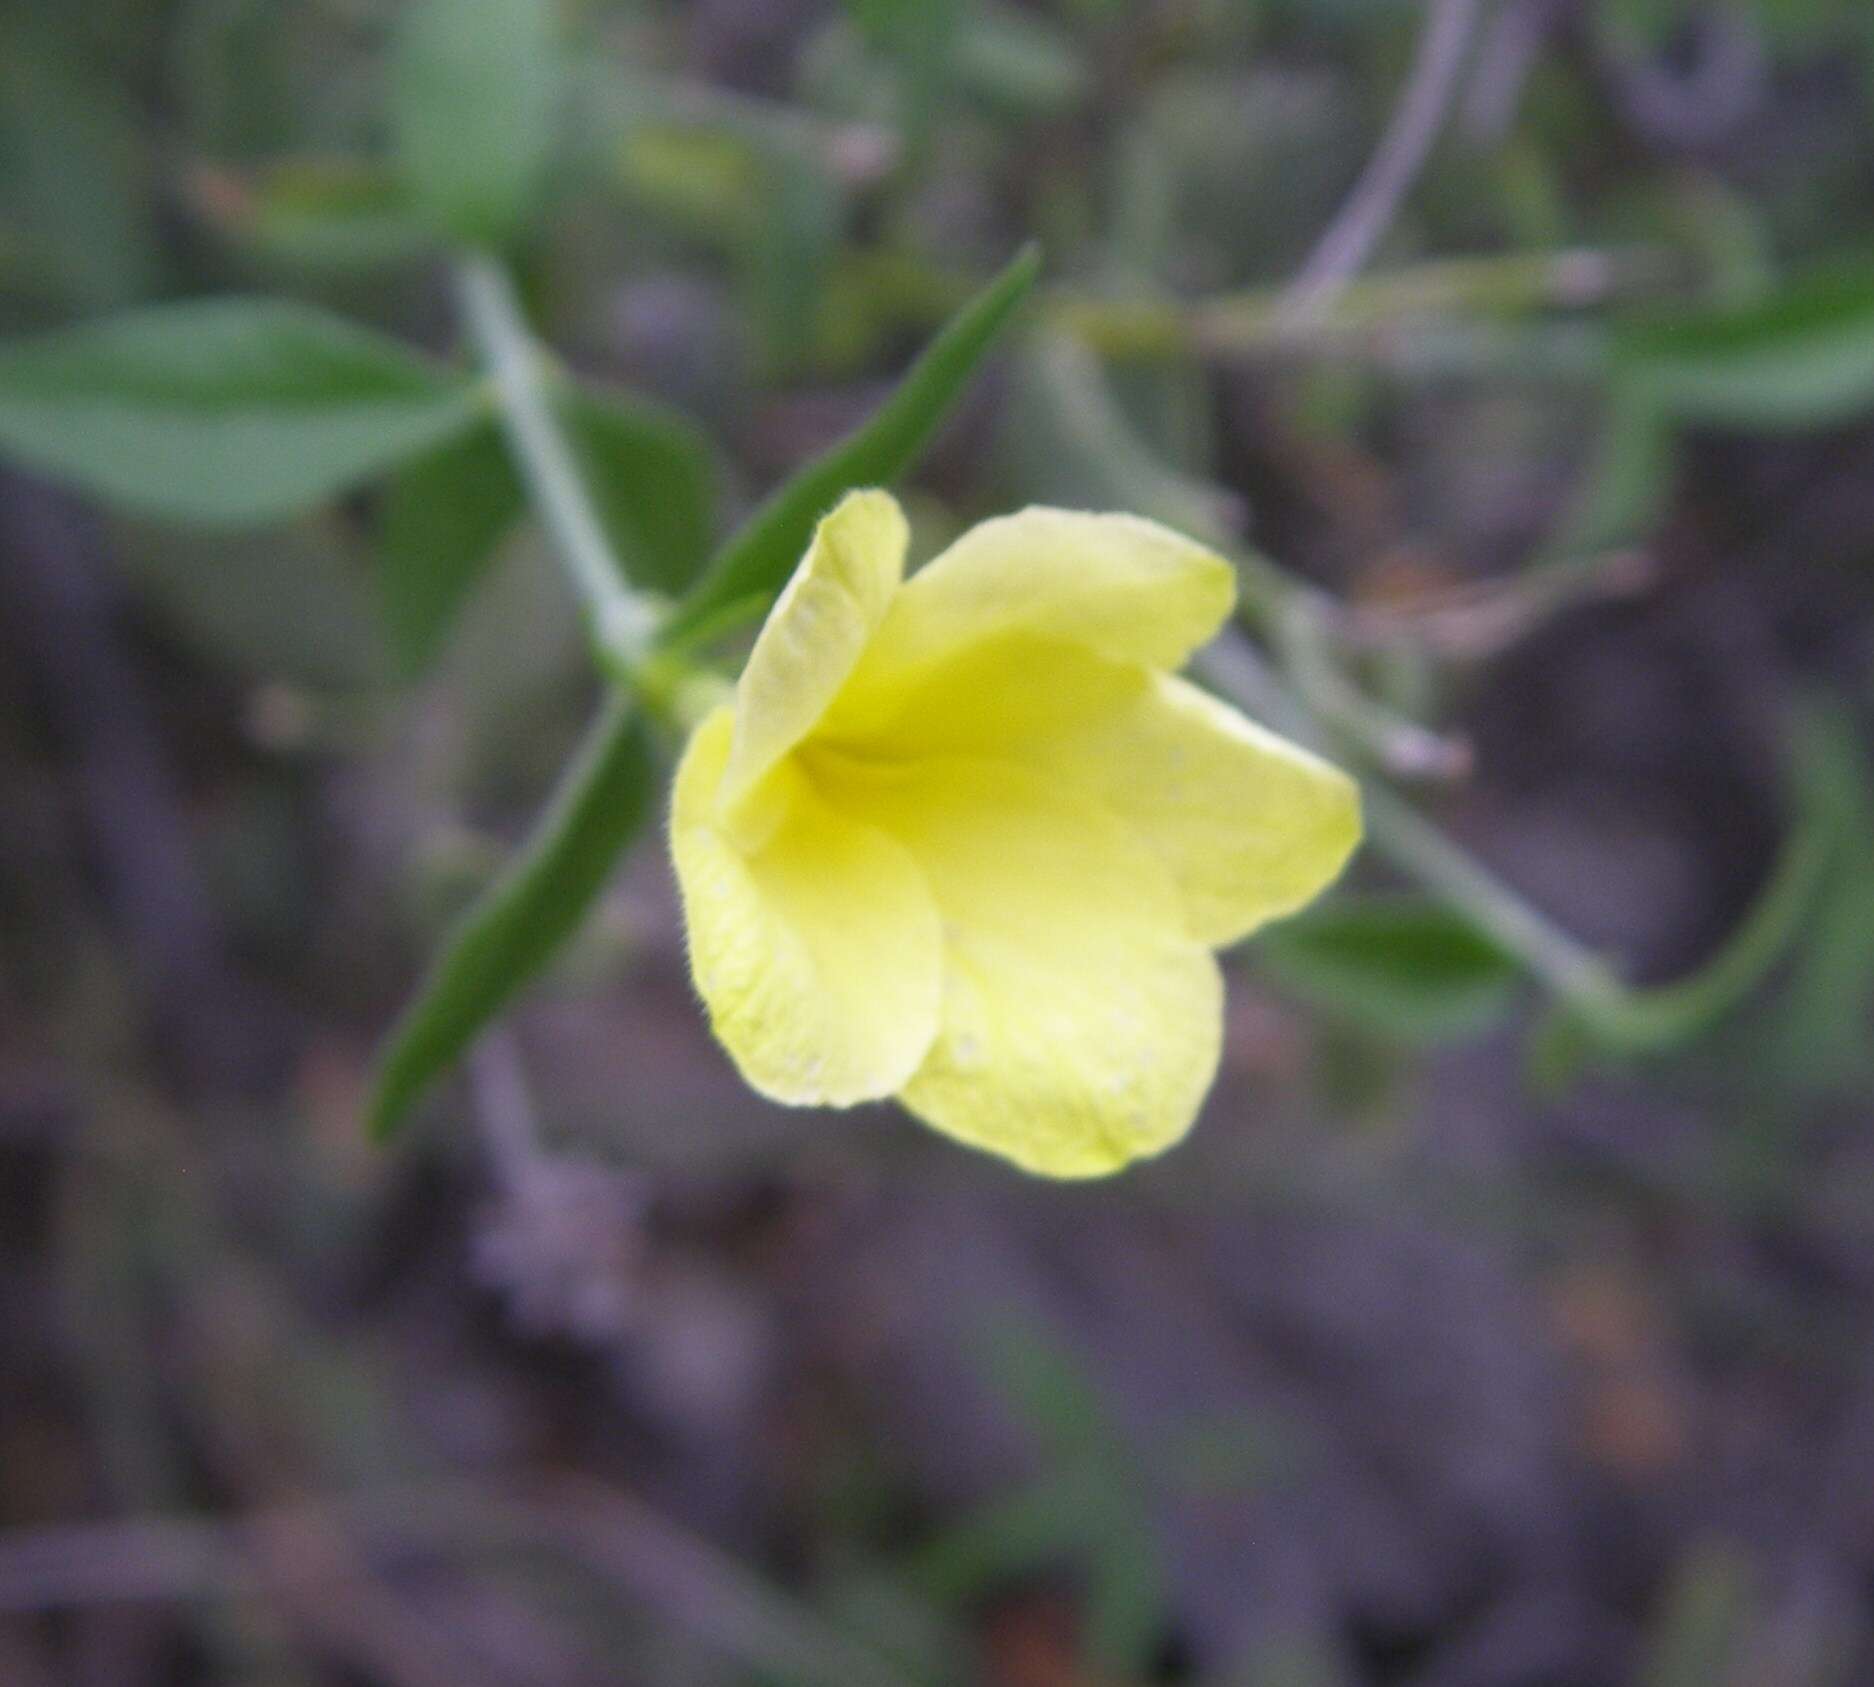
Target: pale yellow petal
x=819, y=956
x=1081, y=1021
x=1251, y=825
x=815, y=635
x=1119, y=585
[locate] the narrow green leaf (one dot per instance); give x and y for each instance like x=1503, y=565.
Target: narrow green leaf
x=223, y=410
x=1801, y=358
x=475, y=103
x=1047, y=1386
x=652, y=476
x=511, y=933
x=1404, y=966
x=444, y=515
x=763, y=553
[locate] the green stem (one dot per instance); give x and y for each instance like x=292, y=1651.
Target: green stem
x=623, y=625
x=1511, y=284
x=1412, y=843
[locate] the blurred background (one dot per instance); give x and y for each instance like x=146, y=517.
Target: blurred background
x=1446, y=1353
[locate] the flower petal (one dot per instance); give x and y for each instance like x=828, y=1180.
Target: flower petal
x=1251, y=826
x=1081, y=1021
x=1122, y=586
x=815, y=634
x=819, y=955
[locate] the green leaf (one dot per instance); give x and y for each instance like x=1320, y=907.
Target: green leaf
x=223, y=410
x=510, y=934
x=758, y=560
x=1405, y=966
x=652, y=476
x=1801, y=358
x=475, y=102
x=444, y=516
x=1559, y=1050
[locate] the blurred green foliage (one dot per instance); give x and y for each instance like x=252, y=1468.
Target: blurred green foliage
x=476, y=112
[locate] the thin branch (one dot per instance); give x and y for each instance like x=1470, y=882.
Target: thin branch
x=1401, y=747
x=1356, y=229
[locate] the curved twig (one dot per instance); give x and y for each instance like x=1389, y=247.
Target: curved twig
x=1349, y=241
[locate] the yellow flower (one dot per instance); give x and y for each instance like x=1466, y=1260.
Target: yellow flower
x=966, y=840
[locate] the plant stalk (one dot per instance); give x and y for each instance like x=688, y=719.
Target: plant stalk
x=1235, y=324
x=623, y=624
